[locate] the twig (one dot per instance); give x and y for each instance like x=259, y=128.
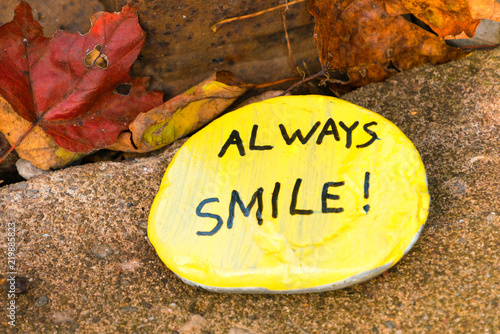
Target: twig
x=323, y=71
x=244, y=17
x=268, y=84
x=485, y=46
x=292, y=62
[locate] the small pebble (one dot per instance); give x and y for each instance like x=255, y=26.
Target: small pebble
x=130, y=265
x=102, y=251
x=457, y=186
x=43, y=300
x=129, y=309
x=146, y=305
x=195, y=324
x=27, y=170
x=63, y=317
x=390, y=324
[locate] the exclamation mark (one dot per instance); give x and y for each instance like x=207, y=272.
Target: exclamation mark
x=366, y=190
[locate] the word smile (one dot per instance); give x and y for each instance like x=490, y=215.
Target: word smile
x=257, y=197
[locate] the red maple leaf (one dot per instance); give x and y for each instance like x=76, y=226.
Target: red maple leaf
x=75, y=87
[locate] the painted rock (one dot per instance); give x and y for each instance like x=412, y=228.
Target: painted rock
x=293, y=194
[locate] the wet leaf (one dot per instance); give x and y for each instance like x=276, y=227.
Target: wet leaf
x=65, y=85
x=182, y=114
x=360, y=42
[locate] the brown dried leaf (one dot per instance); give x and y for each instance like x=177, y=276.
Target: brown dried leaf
x=447, y=18
x=360, y=42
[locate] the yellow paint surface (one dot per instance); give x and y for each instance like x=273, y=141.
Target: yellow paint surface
x=290, y=252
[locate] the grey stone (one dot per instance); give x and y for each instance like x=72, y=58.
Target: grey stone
x=390, y=324
x=129, y=309
x=41, y=301
x=27, y=170
x=491, y=217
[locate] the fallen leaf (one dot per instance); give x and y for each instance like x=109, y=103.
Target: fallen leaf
x=182, y=114
x=37, y=147
x=447, y=18
x=75, y=88
x=68, y=15
x=485, y=9
x=359, y=42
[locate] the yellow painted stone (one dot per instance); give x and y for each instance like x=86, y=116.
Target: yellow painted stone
x=247, y=206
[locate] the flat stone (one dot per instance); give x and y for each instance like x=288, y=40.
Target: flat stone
x=450, y=113
x=289, y=195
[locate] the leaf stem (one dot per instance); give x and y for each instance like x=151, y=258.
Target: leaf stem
x=13, y=147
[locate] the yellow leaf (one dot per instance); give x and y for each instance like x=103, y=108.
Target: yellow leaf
x=182, y=114
x=37, y=147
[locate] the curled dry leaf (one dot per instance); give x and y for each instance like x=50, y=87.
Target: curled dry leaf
x=447, y=18
x=73, y=87
x=182, y=114
x=359, y=42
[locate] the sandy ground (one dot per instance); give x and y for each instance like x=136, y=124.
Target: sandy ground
x=83, y=247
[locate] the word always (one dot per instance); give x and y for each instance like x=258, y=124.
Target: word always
x=330, y=128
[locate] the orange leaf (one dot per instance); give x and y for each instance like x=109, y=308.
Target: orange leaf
x=447, y=18
x=360, y=42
